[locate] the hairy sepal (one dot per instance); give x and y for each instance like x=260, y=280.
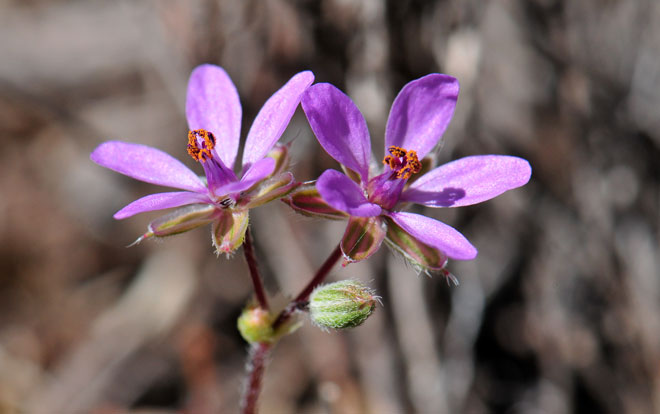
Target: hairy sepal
x=179, y=221
x=420, y=255
x=362, y=238
x=272, y=189
x=280, y=153
x=229, y=230
x=307, y=200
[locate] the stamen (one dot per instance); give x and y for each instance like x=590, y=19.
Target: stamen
x=390, y=161
x=403, y=162
x=200, y=144
x=397, y=151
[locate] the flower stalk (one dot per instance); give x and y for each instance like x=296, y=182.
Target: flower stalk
x=259, y=291
x=303, y=296
x=256, y=365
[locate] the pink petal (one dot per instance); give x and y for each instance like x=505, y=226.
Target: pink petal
x=344, y=194
x=421, y=112
x=160, y=201
x=212, y=104
x=469, y=180
x=436, y=234
x=273, y=118
x=339, y=126
x=146, y=164
x=259, y=171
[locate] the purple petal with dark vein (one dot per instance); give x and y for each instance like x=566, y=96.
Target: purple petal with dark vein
x=147, y=164
x=469, y=180
x=273, y=118
x=436, y=234
x=161, y=201
x=421, y=112
x=339, y=126
x=212, y=104
x=344, y=194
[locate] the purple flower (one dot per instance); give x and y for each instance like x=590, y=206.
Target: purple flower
x=213, y=110
x=373, y=201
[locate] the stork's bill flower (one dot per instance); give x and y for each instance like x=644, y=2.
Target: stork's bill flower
x=223, y=197
x=373, y=199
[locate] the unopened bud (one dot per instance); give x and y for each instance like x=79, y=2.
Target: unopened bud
x=256, y=325
x=341, y=305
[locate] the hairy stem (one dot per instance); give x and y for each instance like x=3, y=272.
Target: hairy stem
x=248, y=250
x=303, y=296
x=255, y=370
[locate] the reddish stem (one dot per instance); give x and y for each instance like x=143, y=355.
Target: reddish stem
x=256, y=365
x=248, y=250
x=303, y=296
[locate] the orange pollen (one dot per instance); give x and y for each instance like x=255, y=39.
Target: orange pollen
x=200, y=152
x=404, y=163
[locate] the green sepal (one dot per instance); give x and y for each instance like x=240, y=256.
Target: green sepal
x=271, y=189
x=420, y=255
x=353, y=175
x=179, y=221
x=229, y=230
x=362, y=238
x=341, y=305
x=307, y=200
x=280, y=153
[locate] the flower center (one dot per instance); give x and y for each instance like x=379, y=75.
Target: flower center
x=200, y=144
x=404, y=163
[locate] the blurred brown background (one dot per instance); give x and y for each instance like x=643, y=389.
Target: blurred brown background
x=558, y=314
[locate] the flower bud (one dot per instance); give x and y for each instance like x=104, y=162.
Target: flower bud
x=340, y=305
x=256, y=325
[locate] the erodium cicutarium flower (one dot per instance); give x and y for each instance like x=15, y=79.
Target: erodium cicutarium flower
x=223, y=198
x=374, y=199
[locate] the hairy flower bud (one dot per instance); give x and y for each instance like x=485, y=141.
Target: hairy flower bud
x=340, y=305
x=256, y=325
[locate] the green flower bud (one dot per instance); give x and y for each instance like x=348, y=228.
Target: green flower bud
x=341, y=305
x=256, y=325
